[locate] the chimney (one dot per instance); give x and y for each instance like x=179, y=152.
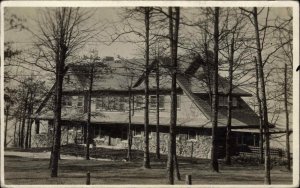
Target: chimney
x=108, y=59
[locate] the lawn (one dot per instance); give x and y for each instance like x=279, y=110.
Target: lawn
x=21, y=170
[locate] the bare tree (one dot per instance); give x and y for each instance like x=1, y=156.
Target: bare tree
x=129, y=133
x=228, y=132
x=284, y=34
x=263, y=98
x=260, y=115
x=214, y=150
x=157, y=111
x=173, y=37
x=88, y=139
x=288, y=156
x=7, y=112
x=61, y=32
x=146, y=163
x=235, y=54
x=129, y=74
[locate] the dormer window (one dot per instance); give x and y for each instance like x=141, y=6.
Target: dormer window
x=223, y=101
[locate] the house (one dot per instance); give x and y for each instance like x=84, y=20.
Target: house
x=109, y=108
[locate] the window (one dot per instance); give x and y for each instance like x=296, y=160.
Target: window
x=153, y=101
x=99, y=103
x=223, y=101
x=178, y=102
x=139, y=102
x=67, y=101
x=115, y=105
x=122, y=103
x=80, y=101
x=111, y=103
x=161, y=101
x=105, y=103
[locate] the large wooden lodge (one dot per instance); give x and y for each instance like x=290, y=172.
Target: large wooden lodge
x=110, y=107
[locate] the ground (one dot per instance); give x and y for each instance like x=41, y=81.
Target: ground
x=28, y=170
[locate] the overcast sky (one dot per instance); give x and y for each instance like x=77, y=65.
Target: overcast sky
x=101, y=16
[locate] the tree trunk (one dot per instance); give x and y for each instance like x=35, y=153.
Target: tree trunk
x=214, y=150
x=6, y=122
x=287, y=119
x=267, y=178
x=228, y=132
x=170, y=162
x=178, y=177
x=88, y=124
x=30, y=127
x=28, y=122
x=129, y=134
x=27, y=134
x=60, y=64
x=175, y=46
x=173, y=35
x=19, y=130
x=24, y=120
x=15, y=132
x=146, y=161
x=261, y=137
x=53, y=138
x=157, y=112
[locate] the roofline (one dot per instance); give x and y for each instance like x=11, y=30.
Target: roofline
x=136, y=91
x=254, y=127
x=233, y=94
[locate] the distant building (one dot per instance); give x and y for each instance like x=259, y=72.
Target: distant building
x=110, y=109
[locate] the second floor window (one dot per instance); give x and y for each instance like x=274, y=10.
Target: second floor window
x=80, y=101
x=153, y=101
x=99, y=104
x=139, y=101
x=111, y=103
x=67, y=101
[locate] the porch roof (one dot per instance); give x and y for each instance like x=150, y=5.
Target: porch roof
x=122, y=118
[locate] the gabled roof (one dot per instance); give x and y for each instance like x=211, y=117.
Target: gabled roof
x=115, y=76
x=193, y=86
x=196, y=78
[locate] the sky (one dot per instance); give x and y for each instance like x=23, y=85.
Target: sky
x=102, y=17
